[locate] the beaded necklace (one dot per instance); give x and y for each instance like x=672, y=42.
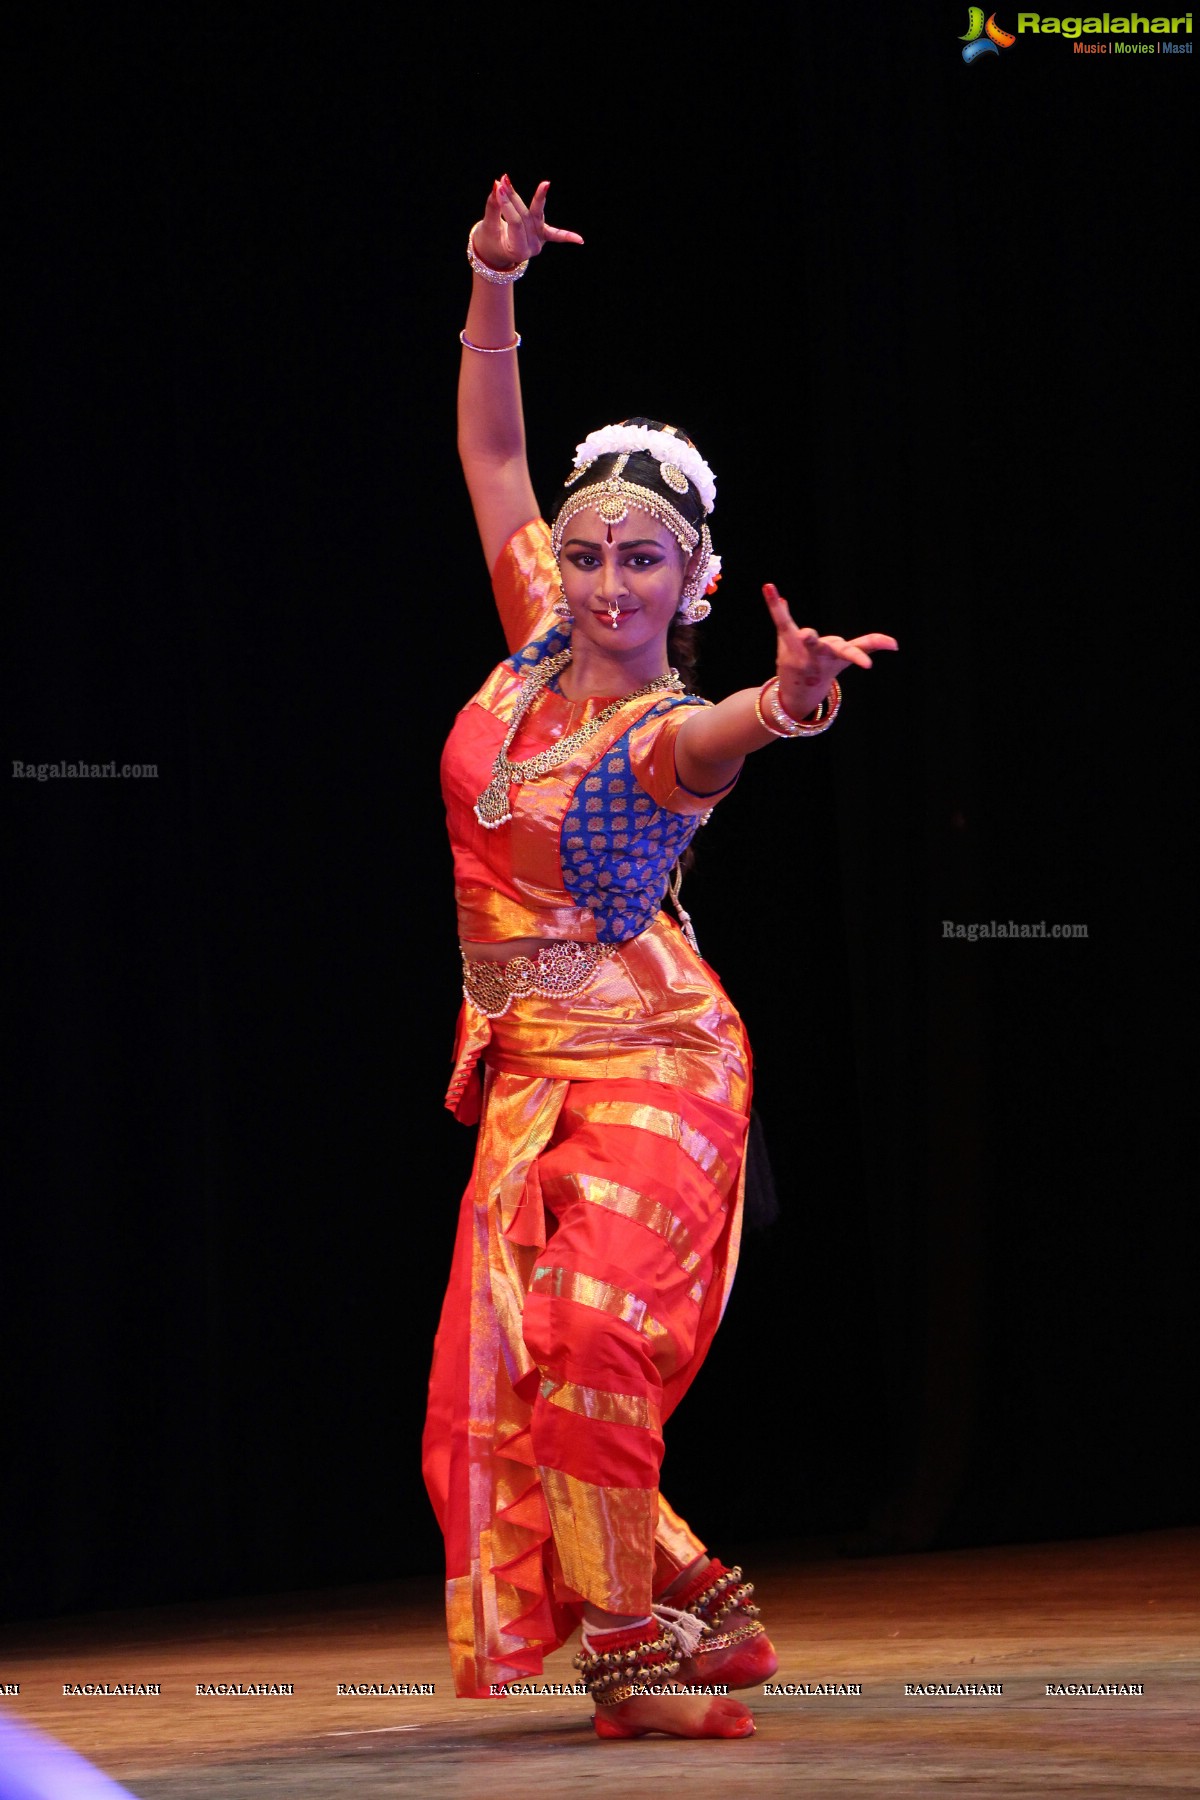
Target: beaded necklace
x=492, y=807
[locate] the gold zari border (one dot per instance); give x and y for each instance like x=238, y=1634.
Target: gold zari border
x=598, y=1403
x=588, y=1290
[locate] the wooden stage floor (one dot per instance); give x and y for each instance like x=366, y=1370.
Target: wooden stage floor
x=1122, y=1611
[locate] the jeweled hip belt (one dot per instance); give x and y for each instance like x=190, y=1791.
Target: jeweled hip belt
x=558, y=970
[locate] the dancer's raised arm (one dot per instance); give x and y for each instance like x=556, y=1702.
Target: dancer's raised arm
x=491, y=428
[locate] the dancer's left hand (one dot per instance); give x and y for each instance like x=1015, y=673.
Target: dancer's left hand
x=807, y=663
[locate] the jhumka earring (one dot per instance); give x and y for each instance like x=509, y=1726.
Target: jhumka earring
x=692, y=605
x=562, y=606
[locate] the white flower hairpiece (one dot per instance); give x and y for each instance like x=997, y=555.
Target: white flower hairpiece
x=663, y=446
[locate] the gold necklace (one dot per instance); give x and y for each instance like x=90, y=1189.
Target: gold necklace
x=492, y=807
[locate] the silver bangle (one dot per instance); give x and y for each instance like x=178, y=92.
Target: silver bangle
x=489, y=349
x=499, y=277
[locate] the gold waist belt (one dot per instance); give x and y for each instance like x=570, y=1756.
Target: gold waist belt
x=559, y=969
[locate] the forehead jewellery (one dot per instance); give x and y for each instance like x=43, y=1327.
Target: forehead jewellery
x=680, y=463
x=492, y=807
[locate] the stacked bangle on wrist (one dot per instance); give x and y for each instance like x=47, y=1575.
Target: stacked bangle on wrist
x=498, y=277
x=773, y=717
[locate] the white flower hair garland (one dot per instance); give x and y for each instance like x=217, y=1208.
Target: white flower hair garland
x=663, y=446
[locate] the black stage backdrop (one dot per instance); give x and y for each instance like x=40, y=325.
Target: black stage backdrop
x=926, y=319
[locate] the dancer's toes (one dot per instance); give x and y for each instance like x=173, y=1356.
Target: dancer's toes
x=678, y=1715
x=734, y=1719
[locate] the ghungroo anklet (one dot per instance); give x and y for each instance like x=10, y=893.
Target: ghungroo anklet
x=633, y=1660
x=622, y=1663
x=710, y=1597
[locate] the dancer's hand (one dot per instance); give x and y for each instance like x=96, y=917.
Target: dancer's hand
x=510, y=231
x=807, y=664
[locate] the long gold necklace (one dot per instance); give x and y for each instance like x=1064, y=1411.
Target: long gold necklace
x=492, y=808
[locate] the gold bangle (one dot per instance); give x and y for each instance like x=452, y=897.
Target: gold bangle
x=758, y=713
x=773, y=716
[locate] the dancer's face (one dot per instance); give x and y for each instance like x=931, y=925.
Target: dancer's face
x=636, y=566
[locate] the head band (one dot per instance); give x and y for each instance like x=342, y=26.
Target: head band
x=612, y=499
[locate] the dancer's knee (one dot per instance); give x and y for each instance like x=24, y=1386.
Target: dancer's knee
x=570, y=1342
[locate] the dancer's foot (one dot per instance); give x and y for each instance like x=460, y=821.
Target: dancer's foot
x=746, y=1662
x=631, y=1670
x=677, y=1714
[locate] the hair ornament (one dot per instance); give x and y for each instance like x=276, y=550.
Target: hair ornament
x=577, y=474
x=614, y=508
x=664, y=446
x=613, y=503
x=674, y=477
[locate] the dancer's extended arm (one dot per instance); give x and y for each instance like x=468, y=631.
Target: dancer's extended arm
x=713, y=742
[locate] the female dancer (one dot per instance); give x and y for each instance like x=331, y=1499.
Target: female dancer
x=598, y=1238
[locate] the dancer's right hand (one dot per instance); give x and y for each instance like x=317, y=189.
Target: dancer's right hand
x=510, y=231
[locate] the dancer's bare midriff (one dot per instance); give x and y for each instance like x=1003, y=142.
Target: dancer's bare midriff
x=508, y=948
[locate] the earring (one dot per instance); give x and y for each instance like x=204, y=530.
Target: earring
x=562, y=606
x=692, y=605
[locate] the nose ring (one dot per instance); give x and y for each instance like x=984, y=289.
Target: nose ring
x=614, y=613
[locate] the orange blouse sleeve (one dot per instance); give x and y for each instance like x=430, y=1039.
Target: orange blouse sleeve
x=652, y=764
x=525, y=583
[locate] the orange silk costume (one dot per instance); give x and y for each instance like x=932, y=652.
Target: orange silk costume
x=598, y=1237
